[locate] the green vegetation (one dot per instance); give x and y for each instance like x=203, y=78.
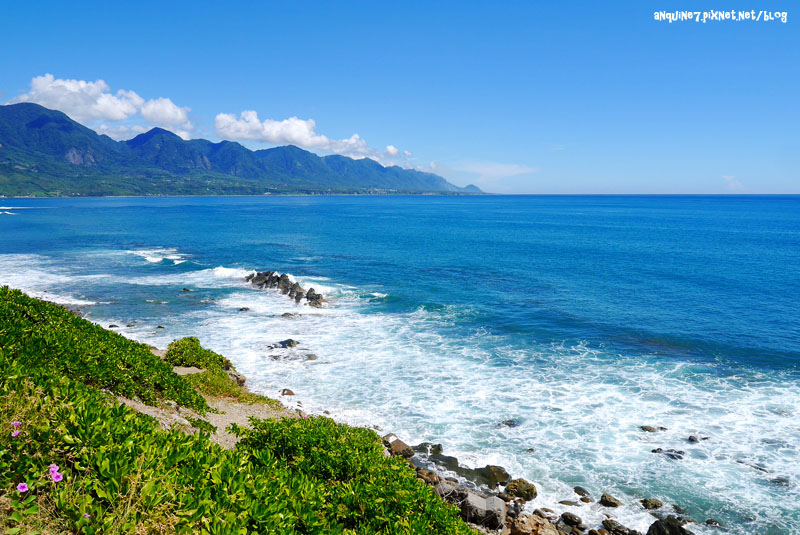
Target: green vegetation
x=214, y=381
x=49, y=339
x=72, y=460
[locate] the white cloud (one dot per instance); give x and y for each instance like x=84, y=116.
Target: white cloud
x=294, y=131
x=489, y=171
x=164, y=112
x=94, y=104
x=733, y=184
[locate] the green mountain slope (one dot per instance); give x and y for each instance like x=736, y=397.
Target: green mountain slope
x=44, y=153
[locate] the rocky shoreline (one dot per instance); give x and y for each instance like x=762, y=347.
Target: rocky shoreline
x=493, y=502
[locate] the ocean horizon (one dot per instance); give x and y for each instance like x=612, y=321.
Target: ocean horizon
x=535, y=332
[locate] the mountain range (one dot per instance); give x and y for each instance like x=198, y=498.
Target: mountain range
x=45, y=153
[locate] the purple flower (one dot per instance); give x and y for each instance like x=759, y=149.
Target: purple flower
x=15, y=434
x=87, y=515
x=55, y=476
x=54, y=468
x=16, y=424
x=22, y=487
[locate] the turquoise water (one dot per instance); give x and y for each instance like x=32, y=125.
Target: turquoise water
x=582, y=318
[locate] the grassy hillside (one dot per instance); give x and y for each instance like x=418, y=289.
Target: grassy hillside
x=73, y=460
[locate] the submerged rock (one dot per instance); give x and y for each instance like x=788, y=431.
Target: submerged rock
x=571, y=519
x=672, y=454
x=285, y=344
x=652, y=503
x=651, y=429
x=287, y=392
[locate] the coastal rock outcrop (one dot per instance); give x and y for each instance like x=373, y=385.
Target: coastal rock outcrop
x=521, y=488
x=272, y=280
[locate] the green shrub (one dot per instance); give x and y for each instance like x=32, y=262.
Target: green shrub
x=189, y=352
x=367, y=492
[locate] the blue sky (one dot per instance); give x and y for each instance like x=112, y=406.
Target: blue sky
x=517, y=97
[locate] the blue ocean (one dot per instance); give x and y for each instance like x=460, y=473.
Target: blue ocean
x=534, y=332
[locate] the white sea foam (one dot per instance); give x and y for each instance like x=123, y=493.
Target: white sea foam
x=36, y=276
x=159, y=254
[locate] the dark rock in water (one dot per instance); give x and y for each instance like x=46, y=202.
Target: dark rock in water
x=313, y=298
x=288, y=315
x=531, y=450
x=294, y=289
x=652, y=503
x=571, y=519
x=667, y=526
x=186, y=290
x=586, y=499
x=569, y=503
x=522, y=489
x=448, y=463
x=249, y=277
x=615, y=528
x=427, y=447
x=287, y=392
x=493, y=475
x=609, y=501
x=131, y=325
x=678, y=509
x=693, y=439
x=672, y=454
x=509, y=423
x=299, y=295
x=160, y=327
x=580, y=491
x=713, y=523
x=244, y=309
x=284, y=284
x=651, y=429
x=781, y=481
x=113, y=326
